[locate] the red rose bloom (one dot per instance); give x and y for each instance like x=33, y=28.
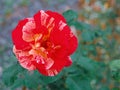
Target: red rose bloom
x=44, y=42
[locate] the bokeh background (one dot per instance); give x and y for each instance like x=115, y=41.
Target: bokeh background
x=102, y=16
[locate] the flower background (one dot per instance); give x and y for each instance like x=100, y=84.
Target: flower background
x=98, y=28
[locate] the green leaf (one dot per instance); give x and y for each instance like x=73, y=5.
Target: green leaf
x=87, y=64
x=116, y=88
x=115, y=65
x=104, y=88
x=10, y=74
x=32, y=79
x=70, y=15
x=18, y=83
x=47, y=79
x=76, y=83
x=115, y=69
x=80, y=25
x=73, y=70
x=87, y=35
x=85, y=26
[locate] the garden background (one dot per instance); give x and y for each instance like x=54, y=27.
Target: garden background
x=96, y=62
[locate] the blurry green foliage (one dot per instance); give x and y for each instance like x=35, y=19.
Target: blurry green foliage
x=70, y=16
x=115, y=69
x=15, y=76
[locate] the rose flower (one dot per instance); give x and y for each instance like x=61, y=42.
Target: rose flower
x=44, y=42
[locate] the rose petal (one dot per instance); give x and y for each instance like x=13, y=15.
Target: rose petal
x=24, y=59
x=17, y=36
x=28, y=29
